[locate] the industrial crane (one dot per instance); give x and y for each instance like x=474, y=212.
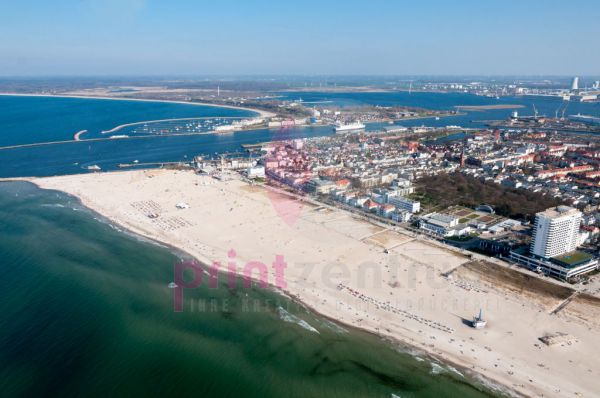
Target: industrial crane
x=566, y=104
x=564, y=110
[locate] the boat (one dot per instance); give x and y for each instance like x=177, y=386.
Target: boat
x=173, y=285
x=94, y=167
x=339, y=126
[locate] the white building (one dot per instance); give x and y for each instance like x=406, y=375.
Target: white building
x=401, y=182
x=298, y=144
x=386, y=210
x=558, y=269
x=319, y=186
x=443, y=225
x=556, y=231
x=256, y=172
x=575, y=84
x=402, y=203
x=401, y=216
x=396, y=192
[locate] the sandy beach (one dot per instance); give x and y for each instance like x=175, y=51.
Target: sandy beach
x=420, y=292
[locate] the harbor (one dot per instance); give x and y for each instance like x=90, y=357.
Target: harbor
x=300, y=200
x=571, y=123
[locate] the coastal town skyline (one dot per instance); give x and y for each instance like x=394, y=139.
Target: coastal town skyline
x=350, y=199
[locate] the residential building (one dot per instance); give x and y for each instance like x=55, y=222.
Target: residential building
x=443, y=225
x=256, y=172
x=319, y=186
x=386, y=210
x=402, y=203
x=556, y=232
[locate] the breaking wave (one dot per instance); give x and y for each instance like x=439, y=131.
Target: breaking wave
x=287, y=317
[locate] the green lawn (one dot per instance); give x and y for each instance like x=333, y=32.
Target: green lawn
x=573, y=258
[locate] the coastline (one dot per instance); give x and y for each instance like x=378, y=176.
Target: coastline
x=311, y=291
x=412, y=349
x=260, y=113
x=476, y=379
x=476, y=108
x=441, y=116
x=438, y=363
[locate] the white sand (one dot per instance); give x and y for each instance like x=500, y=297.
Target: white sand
x=339, y=249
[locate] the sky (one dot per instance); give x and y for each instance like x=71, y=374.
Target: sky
x=302, y=37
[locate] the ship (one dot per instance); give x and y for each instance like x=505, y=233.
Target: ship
x=585, y=118
x=339, y=126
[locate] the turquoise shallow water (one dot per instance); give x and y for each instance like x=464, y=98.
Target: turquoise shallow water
x=86, y=311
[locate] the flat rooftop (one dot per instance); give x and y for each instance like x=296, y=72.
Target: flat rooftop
x=572, y=259
x=559, y=211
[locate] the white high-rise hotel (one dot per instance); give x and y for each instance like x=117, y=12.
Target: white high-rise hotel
x=556, y=231
x=575, y=84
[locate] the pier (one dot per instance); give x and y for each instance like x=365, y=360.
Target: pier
x=257, y=146
x=153, y=164
x=117, y=128
x=77, y=136
x=78, y=140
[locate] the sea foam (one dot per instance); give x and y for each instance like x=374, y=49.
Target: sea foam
x=287, y=317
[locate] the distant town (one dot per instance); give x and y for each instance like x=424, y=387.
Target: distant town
x=300, y=199
x=525, y=189
x=499, y=216
x=529, y=197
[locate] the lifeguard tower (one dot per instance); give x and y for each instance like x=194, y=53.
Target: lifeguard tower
x=478, y=321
